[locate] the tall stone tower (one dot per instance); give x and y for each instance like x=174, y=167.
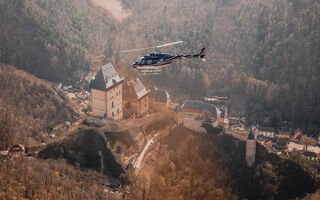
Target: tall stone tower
x=250, y=149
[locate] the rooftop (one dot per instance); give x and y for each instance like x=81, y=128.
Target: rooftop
x=198, y=105
x=266, y=129
x=106, y=78
x=139, y=88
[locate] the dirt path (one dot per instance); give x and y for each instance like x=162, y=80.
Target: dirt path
x=113, y=6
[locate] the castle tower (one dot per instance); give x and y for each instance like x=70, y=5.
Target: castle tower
x=106, y=91
x=250, y=149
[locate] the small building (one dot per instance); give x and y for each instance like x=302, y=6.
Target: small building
x=284, y=133
x=106, y=91
x=217, y=100
x=16, y=150
x=250, y=149
x=194, y=110
x=198, y=107
x=136, y=97
x=294, y=146
x=281, y=144
x=233, y=120
x=267, y=132
x=159, y=99
x=310, y=155
x=297, y=136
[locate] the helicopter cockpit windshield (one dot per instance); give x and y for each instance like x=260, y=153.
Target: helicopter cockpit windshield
x=138, y=62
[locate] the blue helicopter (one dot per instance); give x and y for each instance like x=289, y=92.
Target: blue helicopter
x=151, y=64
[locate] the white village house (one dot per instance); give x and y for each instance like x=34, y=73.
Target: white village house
x=266, y=132
x=193, y=113
x=106, y=91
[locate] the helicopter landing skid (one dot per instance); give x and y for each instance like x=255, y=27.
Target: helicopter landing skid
x=148, y=72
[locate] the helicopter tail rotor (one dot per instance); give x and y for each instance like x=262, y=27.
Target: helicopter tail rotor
x=202, y=54
x=202, y=51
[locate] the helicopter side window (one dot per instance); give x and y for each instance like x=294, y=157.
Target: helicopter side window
x=149, y=62
x=143, y=62
x=154, y=61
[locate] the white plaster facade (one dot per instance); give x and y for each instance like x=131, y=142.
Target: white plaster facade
x=267, y=134
x=107, y=94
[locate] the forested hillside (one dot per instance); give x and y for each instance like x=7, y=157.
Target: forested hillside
x=31, y=178
x=193, y=166
x=56, y=40
x=266, y=50
x=27, y=107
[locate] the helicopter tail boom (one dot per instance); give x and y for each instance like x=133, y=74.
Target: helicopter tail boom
x=199, y=55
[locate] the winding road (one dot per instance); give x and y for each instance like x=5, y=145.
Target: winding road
x=142, y=154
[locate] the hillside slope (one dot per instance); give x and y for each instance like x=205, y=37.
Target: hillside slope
x=28, y=106
x=265, y=50
x=30, y=178
x=188, y=165
x=87, y=149
x=56, y=40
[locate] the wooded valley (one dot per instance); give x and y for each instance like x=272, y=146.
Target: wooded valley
x=266, y=51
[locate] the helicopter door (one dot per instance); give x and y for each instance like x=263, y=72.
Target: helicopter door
x=154, y=61
x=144, y=62
x=149, y=61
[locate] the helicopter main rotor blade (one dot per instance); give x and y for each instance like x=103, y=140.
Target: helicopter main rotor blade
x=160, y=46
x=172, y=43
x=131, y=50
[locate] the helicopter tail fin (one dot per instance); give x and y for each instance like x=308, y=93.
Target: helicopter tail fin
x=202, y=53
x=199, y=55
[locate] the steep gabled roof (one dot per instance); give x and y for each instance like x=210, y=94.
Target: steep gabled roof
x=106, y=78
x=139, y=89
x=200, y=106
x=159, y=95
